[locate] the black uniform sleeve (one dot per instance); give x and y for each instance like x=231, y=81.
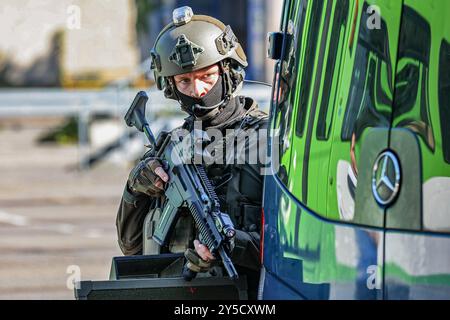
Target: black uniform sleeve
x=130, y=219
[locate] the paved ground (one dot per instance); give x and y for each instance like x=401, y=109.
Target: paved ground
x=53, y=217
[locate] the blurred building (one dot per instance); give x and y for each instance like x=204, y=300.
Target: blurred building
x=77, y=43
x=68, y=42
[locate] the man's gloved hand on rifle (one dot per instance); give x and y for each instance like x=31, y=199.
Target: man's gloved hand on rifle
x=148, y=177
x=200, y=259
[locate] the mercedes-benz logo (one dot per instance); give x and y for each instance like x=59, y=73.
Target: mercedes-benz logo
x=386, y=178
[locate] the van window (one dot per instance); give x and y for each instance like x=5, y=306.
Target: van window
x=370, y=94
x=288, y=78
x=411, y=105
x=308, y=63
x=330, y=83
x=444, y=97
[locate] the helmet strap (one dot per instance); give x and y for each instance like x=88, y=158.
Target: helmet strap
x=231, y=84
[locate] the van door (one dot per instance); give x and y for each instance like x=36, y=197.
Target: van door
x=341, y=121
x=286, y=73
x=417, y=259
x=340, y=131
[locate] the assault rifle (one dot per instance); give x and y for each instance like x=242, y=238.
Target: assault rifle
x=189, y=187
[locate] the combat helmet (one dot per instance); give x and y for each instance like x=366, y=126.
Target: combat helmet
x=192, y=42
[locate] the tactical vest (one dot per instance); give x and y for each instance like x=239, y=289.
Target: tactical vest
x=238, y=186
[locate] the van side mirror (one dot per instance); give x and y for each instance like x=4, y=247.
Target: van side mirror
x=275, y=44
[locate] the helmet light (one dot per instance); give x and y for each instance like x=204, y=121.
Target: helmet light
x=182, y=15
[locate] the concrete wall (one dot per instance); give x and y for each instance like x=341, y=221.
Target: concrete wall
x=99, y=41
x=98, y=36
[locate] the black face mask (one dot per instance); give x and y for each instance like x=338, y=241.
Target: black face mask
x=212, y=98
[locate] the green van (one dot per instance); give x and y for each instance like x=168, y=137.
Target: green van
x=358, y=202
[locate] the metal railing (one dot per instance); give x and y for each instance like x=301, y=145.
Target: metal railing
x=84, y=104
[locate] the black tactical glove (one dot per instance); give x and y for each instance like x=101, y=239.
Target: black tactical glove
x=148, y=177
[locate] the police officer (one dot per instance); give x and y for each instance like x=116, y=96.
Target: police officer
x=198, y=61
